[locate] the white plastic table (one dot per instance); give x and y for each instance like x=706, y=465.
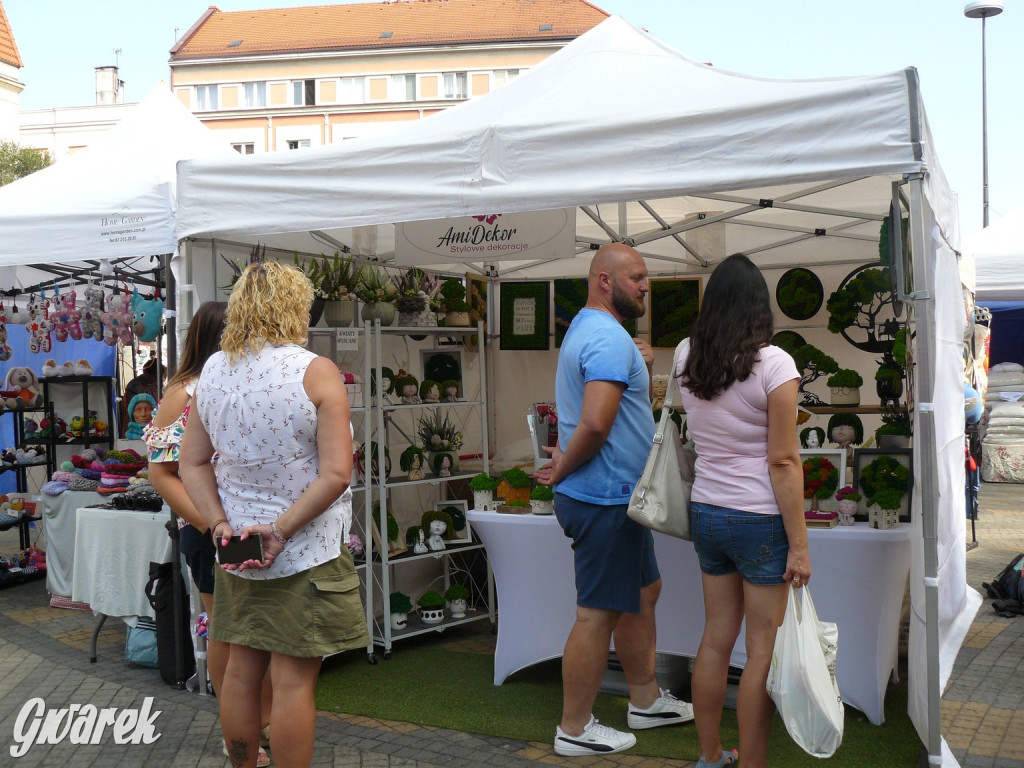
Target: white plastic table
x=859, y=579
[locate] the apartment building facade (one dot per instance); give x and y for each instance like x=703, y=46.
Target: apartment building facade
x=291, y=78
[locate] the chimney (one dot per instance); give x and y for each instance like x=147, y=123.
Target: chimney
x=109, y=89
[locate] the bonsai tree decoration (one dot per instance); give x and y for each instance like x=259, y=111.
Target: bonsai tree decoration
x=856, y=310
x=895, y=431
x=845, y=387
x=483, y=487
x=821, y=478
x=813, y=364
x=457, y=596
x=884, y=482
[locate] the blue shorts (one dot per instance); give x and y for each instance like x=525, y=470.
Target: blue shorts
x=200, y=554
x=613, y=556
x=730, y=540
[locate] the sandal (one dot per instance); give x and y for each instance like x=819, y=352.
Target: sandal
x=262, y=758
x=728, y=758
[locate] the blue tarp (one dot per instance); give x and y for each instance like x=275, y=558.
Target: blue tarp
x=1007, y=345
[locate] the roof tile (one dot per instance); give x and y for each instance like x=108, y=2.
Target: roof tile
x=8, y=48
x=411, y=22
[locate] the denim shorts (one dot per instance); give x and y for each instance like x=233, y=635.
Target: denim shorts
x=730, y=540
x=613, y=556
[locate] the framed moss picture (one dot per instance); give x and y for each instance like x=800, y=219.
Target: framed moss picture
x=674, y=304
x=790, y=341
x=799, y=293
x=570, y=298
x=525, y=315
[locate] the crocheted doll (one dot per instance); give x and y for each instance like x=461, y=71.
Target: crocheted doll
x=65, y=316
x=5, y=348
x=140, y=409
x=38, y=325
x=117, y=320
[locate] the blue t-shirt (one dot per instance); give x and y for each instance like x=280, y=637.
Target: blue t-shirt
x=597, y=348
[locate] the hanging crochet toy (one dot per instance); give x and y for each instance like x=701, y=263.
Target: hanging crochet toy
x=117, y=321
x=38, y=325
x=65, y=316
x=5, y=349
x=148, y=313
x=91, y=314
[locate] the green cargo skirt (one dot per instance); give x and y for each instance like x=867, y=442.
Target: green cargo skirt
x=308, y=614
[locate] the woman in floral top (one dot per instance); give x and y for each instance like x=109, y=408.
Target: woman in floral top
x=277, y=417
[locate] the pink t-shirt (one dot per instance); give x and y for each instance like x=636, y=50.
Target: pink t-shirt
x=730, y=433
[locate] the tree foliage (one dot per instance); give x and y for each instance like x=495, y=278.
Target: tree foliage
x=17, y=161
x=812, y=364
x=859, y=304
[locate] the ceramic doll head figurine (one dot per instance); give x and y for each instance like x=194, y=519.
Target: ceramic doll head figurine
x=430, y=391
x=446, y=466
x=812, y=437
x=451, y=390
x=436, y=541
x=659, y=388
x=846, y=431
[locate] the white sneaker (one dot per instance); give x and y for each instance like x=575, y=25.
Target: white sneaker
x=596, y=739
x=666, y=710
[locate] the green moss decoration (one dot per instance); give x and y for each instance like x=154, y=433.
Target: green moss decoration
x=516, y=478
x=431, y=600
x=437, y=514
x=399, y=602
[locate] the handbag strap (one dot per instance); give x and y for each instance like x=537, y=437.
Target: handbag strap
x=666, y=407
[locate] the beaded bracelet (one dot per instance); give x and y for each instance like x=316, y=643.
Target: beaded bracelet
x=276, y=533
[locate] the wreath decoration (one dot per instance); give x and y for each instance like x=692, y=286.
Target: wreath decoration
x=883, y=474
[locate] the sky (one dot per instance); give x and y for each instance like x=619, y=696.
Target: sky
x=62, y=41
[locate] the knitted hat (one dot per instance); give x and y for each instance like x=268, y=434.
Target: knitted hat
x=142, y=397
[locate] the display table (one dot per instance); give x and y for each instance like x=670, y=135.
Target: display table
x=859, y=578
x=113, y=550
x=60, y=514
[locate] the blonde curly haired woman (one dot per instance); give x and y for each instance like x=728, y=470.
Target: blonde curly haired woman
x=278, y=418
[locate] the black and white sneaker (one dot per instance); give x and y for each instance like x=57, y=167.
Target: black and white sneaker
x=596, y=739
x=666, y=710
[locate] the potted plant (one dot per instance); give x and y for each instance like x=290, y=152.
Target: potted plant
x=437, y=434
x=889, y=381
x=431, y=605
x=542, y=500
x=415, y=289
x=256, y=255
x=453, y=292
x=377, y=293
x=821, y=478
x=457, y=596
x=847, y=498
x=514, y=485
x=845, y=385
x=400, y=606
x=483, y=487
x=334, y=279
x=895, y=431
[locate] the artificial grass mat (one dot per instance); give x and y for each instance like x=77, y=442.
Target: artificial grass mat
x=432, y=685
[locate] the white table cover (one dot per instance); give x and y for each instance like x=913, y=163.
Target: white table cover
x=60, y=514
x=113, y=550
x=859, y=579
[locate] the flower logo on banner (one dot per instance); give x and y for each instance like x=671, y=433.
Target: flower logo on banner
x=489, y=218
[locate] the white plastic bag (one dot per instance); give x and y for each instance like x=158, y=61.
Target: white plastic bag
x=802, y=679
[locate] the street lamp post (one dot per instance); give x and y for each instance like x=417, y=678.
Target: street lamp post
x=980, y=9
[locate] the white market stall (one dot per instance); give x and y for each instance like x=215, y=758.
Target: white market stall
x=688, y=163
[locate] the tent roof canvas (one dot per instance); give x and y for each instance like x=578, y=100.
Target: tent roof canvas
x=112, y=200
x=998, y=255
x=614, y=116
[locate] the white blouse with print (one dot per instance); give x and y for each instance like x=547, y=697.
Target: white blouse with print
x=263, y=426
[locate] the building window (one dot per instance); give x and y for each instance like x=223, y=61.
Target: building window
x=245, y=148
x=298, y=144
x=353, y=90
x=455, y=85
x=206, y=98
x=504, y=76
x=402, y=88
x=303, y=92
x=255, y=95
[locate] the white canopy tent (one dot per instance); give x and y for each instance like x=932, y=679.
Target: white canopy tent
x=998, y=256
x=653, y=148
x=112, y=201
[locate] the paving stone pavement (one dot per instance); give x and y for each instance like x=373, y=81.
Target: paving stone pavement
x=44, y=653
